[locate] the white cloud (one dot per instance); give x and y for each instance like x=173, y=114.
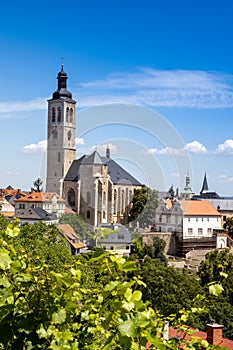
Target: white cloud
x=192, y=147
x=195, y=147
x=79, y=141
x=225, y=178
x=33, y=148
x=226, y=147
x=19, y=106
x=151, y=87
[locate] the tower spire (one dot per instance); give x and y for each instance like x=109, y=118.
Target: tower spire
x=108, y=152
x=205, y=187
x=62, y=92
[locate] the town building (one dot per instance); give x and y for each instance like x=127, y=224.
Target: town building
x=45, y=206
x=191, y=224
x=94, y=186
x=72, y=239
x=115, y=238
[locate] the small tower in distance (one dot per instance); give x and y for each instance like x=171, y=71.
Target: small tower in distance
x=61, y=147
x=187, y=192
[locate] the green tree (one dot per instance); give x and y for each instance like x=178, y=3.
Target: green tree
x=228, y=225
x=144, y=204
x=76, y=222
x=40, y=241
x=167, y=289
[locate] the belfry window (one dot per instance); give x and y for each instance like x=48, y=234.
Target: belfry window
x=53, y=115
x=59, y=114
x=67, y=114
x=71, y=115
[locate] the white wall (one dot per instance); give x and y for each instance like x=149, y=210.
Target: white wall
x=200, y=222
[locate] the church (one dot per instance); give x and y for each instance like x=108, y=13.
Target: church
x=94, y=186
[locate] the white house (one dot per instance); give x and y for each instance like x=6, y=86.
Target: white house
x=192, y=218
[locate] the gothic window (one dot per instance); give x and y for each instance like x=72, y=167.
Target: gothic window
x=71, y=197
x=88, y=198
x=59, y=157
x=67, y=114
x=115, y=202
x=71, y=115
x=88, y=214
x=104, y=215
x=69, y=135
x=122, y=200
x=104, y=198
x=59, y=114
x=53, y=115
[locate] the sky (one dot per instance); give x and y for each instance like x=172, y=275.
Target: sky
x=152, y=79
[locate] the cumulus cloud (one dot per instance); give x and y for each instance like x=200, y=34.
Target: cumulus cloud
x=33, y=148
x=151, y=87
x=193, y=147
x=226, y=147
x=79, y=141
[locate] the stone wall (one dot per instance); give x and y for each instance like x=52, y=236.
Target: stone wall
x=168, y=237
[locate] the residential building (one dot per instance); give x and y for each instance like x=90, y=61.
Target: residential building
x=196, y=224
x=72, y=239
x=51, y=203
x=114, y=237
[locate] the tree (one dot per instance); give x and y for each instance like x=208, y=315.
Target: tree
x=144, y=204
x=228, y=225
x=37, y=183
x=45, y=242
x=76, y=222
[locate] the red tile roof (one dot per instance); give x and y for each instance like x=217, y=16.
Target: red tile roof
x=195, y=207
x=173, y=332
x=40, y=197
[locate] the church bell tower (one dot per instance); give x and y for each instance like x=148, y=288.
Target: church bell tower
x=61, y=149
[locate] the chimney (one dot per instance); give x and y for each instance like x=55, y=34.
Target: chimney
x=214, y=333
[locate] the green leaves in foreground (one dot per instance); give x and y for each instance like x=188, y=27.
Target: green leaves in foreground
x=45, y=309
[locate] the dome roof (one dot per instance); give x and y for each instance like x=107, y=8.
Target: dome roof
x=62, y=91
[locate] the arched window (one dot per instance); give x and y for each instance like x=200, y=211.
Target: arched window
x=53, y=115
x=71, y=197
x=122, y=201
x=67, y=114
x=88, y=214
x=115, y=202
x=104, y=198
x=71, y=115
x=69, y=135
x=104, y=215
x=59, y=157
x=59, y=114
x=88, y=198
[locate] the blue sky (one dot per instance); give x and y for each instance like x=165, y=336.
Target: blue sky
x=170, y=57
